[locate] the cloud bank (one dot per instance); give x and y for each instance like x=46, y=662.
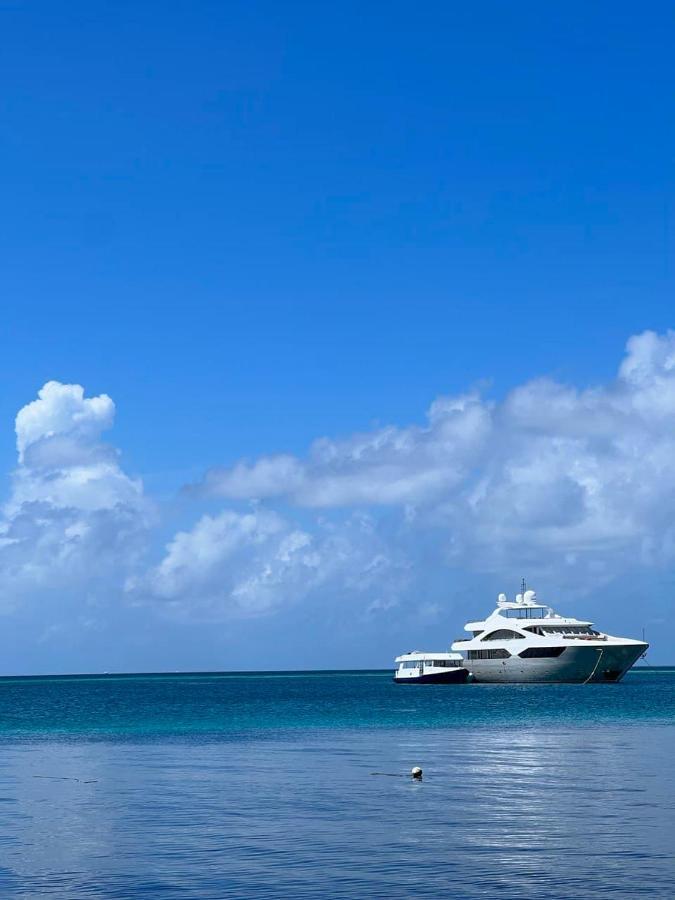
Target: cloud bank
x=550, y=476
x=245, y=564
x=551, y=480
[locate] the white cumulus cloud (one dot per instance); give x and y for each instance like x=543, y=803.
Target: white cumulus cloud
x=73, y=518
x=577, y=484
x=244, y=564
x=553, y=475
x=387, y=467
x=62, y=410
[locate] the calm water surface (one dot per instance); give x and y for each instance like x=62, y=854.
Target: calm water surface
x=263, y=786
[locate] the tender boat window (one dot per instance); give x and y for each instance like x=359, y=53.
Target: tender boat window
x=541, y=652
x=497, y=653
x=504, y=634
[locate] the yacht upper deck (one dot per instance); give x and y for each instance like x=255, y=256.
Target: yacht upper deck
x=525, y=606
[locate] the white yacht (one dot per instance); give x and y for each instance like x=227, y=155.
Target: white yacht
x=418, y=667
x=525, y=641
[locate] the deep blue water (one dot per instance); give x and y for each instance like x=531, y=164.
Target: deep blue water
x=262, y=786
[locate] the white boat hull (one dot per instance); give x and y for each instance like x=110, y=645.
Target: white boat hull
x=576, y=665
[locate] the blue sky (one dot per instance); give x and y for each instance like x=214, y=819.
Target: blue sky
x=254, y=226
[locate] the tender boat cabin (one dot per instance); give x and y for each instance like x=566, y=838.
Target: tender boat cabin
x=423, y=668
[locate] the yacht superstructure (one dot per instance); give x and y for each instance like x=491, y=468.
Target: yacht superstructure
x=526, y=641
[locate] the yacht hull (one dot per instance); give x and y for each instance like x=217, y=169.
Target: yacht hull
x=575, y=665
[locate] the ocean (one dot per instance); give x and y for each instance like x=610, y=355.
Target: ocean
x=296, y=785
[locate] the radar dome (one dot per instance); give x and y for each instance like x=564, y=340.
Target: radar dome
x=530, y=597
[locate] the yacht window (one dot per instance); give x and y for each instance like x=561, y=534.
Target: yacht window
x=497, y=653
x=504, y=634
x=476, y=633
x=535, y=629
x=524, y=612
x=541, y=652
x=569, y=629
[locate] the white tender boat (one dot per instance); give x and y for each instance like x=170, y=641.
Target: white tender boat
x=418, y=667
x=525, y=641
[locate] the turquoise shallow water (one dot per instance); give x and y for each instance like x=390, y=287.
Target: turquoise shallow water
x=262, y=786
x=237, y=705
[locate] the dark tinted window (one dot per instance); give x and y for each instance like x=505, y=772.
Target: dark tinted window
x=498, y=653
x=503, y=634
